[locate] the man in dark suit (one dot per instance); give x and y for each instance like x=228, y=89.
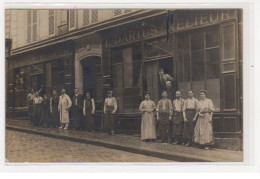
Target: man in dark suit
x=77, y=107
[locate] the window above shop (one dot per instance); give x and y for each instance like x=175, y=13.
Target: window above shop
x=32, y=26
x=90, y=16
x=118, y=12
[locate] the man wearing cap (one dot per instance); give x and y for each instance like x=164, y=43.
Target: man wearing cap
x=110, y=108
x=77, y=110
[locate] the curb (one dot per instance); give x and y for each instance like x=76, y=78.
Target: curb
x=176, y=157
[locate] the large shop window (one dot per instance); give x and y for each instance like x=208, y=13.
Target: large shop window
x=127, y=82
x=198, y=65
x=32, y=20
x=57, y=74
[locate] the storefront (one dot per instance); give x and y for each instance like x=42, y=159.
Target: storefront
x=199, y=49
x=43, y=70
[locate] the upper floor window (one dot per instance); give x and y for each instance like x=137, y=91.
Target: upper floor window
x=90, y=16
x=72, y=19
x=118, y=12
x=51, y=22
x=32, y=20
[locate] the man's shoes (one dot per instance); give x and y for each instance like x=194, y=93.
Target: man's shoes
x=175, y=143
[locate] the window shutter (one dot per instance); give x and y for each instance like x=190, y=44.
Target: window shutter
x=85, y=17
x=28, y=26
x=127, y=10
x=94, y=15
x=117, y=12
x=34, y=25
x=72, y=14
x=51, y=22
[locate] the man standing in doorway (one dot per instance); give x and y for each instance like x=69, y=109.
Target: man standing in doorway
x=63, y=107
x=77, y=107
x=164, y=78
x=110, y=108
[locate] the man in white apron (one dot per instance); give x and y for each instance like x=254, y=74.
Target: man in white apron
x=64, y=106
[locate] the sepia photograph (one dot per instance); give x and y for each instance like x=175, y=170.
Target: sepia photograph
x=123, y=85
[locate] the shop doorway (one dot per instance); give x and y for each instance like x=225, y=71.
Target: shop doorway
x=152, y=79
x=92, y=78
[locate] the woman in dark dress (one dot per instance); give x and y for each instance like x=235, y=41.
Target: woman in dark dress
x=45, y=118
x=54, y=102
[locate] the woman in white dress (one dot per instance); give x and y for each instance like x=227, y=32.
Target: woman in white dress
x=147, y=107
x=203, y=132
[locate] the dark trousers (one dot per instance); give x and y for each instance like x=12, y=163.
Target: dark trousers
x=188, y=129
x=37, y=114
x=31, y=113
x=77, y=118
x=164, y=128
x=55, y=117
x=89, y=121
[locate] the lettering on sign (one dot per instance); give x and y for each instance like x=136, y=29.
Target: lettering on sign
x=38, y=57
x=204, y=18
x=134, y=35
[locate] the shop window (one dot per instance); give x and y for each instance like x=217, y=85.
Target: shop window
x=198, y=64
x=158, y=48
x=212, y=63
x=197, y=40
x=229, y=41
x=51, y=22
x=32, y=20
x=57, y=73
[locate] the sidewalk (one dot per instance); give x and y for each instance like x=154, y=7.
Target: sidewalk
x=131, y=143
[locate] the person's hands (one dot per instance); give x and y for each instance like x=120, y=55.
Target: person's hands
x=185, y=120
x=170, y=118
x=201, y=115
x=194, y=119
x=93, y=113
x=113, y=112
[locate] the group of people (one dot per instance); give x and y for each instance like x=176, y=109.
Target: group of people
x=179, y=121
x=186, y=121
x=54, y=111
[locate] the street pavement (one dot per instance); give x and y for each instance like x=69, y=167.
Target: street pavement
x=23, y=147
x=132, y=143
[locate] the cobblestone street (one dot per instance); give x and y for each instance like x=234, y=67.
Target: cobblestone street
x=23, y=147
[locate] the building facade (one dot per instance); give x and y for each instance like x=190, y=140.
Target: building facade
x=123, y=50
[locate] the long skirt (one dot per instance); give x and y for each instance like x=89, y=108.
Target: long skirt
x=109, y=121
x=45, y=120
x=188, y=129
x=203, y=132
x=178, y=124
x=148, y=126
x=89, y=120
x=164, y=126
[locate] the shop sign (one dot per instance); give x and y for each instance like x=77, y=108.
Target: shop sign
x=135, y=35
x=41, y=56
x=204, y=18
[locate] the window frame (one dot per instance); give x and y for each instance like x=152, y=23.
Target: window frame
x=54, y=23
